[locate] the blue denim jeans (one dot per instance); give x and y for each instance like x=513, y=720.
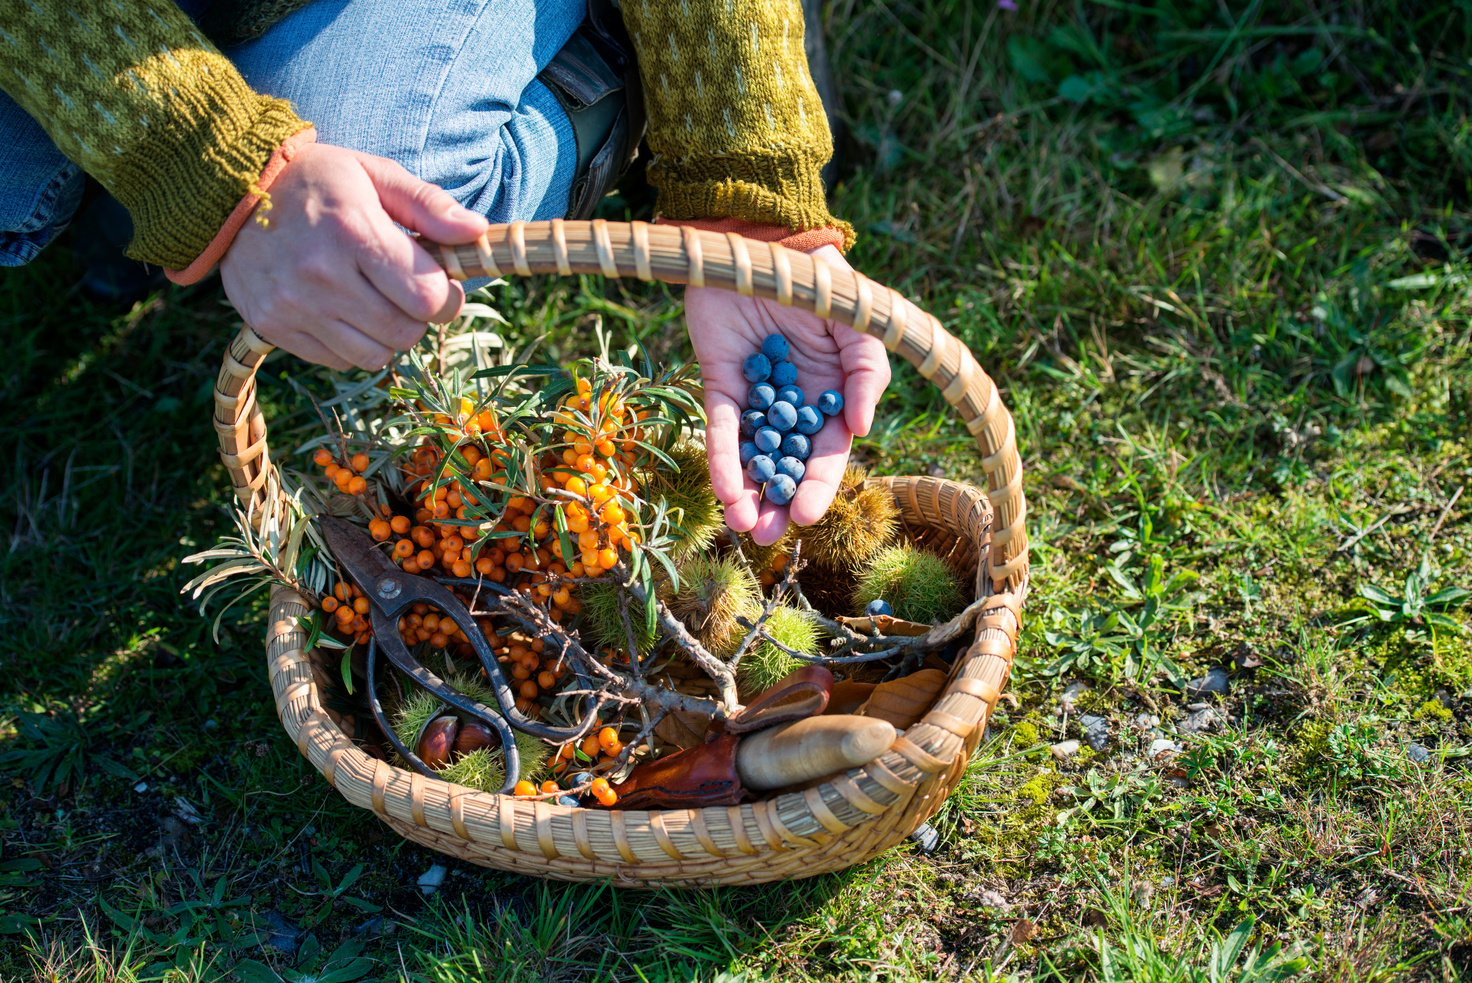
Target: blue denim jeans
x=447, y=88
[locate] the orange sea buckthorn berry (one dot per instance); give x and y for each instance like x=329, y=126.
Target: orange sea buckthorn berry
x=403, y=549
x=344, y=614
x=379, y=530
x=524, y=789
x=329, y=604
x=399, y=524
x=342, y=591
x=590, y=746
x=359, y=462
x=529, y=690
x=342, y=477
x=425, y=559
x=550, y=787
x=606, y=737
x=606, y=799
x=608, y=558
x=546, y=679
x=322, y=457
x=600, y=786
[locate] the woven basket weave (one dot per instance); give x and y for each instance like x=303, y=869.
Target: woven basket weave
x=827, y=827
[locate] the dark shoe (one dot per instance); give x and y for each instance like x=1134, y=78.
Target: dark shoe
x=101, y=232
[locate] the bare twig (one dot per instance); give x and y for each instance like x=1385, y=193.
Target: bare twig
x=699, y=654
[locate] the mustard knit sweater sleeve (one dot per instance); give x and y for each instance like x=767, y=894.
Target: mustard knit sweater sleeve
x=138, y=98
x=736, y=127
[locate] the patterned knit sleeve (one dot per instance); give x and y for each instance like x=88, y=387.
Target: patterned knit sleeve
x=133, y=94
x=736, y=127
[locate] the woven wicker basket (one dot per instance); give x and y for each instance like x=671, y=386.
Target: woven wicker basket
x=837, y=824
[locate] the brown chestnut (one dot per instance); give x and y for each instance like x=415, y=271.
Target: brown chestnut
x=437, y=741
x=475, y=735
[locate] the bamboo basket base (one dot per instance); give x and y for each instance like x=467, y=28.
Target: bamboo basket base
x=831, y=826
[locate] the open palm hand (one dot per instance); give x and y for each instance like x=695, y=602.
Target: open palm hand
x=725, y=328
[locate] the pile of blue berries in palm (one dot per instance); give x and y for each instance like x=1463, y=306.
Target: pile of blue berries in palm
x=778, y=426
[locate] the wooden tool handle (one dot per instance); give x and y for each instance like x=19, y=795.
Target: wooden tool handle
x=809, y=749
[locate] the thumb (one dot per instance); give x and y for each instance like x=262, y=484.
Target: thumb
x=420, y=206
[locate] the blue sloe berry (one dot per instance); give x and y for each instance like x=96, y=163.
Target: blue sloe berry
x=774, y=346
x=780, y=489
x=831, y=402
x=752, y=421
x=568, y=800
x=796, y=445
x=877, y=607
x=809, y=420
x=760, y=469
x=767, y=440
x=790, y=394
x=748, y=451
x=781, y=416
x=761, y=396
x=756, y=368
x=783, y=373
x=792, y=467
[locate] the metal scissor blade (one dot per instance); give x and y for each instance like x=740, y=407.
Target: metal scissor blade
x=355, y=550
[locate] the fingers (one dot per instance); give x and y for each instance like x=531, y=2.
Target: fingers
x=419, y=205
x=404, y=273
x=866, y=376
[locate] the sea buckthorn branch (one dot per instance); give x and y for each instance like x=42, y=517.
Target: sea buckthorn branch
x=618, y=687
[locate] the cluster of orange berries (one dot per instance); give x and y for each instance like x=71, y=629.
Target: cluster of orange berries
x=349, y=608
x=533, y=670
x=347, y=477
x=600, y=790
x=773, y=573
x=596, y=752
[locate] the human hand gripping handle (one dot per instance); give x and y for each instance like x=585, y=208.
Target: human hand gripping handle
x=725, y=328
x=331, y=278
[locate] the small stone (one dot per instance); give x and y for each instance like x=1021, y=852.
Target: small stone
x=991, y=899
x=756, y=368
x=1096, y=730
x=1065, y=749
x=1162, y=746
x=783, y=373
x=1215, y=681
x=1072, y=692
x=1417, y=753
x=1207, y=718
x=926, y=838
x=281, y=934
x=775, y=347
x=431, y=879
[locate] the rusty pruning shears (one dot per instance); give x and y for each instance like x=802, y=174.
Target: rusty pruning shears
x=391, y=592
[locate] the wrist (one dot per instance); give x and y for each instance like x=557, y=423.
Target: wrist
x=200, y=267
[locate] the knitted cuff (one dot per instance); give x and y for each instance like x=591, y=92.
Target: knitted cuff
x=215, y=251
x=804, y=242
x=181, y=185
x=783, y=190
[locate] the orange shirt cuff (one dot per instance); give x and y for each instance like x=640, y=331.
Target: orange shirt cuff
x=215, y=251
x=805, y=241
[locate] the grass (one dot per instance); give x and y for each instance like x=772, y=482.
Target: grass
x=1217, y=257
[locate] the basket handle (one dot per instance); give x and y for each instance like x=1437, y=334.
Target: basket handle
x=679, y=254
